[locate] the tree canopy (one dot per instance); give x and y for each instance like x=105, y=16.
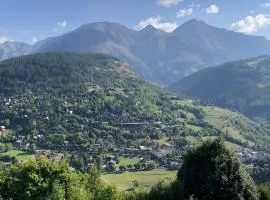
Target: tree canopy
x=211, y=171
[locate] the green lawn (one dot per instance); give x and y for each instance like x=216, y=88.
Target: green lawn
x=146, y=179
x=128, y=160
x=20, y=155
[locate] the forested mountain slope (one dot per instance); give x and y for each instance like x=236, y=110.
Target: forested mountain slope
x=75, y=101
x=242, y=85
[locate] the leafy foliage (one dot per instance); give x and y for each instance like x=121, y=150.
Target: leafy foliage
x=210, y=171
x=45, y=179
x=264, y=191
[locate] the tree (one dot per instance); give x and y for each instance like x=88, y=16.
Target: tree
x=99, y=162
x=211, y=171
x=33, y=148
x=264, y=191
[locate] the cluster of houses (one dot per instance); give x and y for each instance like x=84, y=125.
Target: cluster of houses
x=135, y=151
x=251, y=157
x=246, y=153
x=55, y=155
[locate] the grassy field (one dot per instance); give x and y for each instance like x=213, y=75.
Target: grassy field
x=146, y=179
x=20, y=155
x=220, y=119
x=128, y=161
x=195, y=128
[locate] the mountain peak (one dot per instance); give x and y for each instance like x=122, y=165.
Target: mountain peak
x=150, y=29
x=102, y=26
x=193, y=23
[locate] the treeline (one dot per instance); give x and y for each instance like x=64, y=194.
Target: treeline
x=209, y=171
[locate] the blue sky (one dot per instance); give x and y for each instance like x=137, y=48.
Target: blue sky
x=33, y=20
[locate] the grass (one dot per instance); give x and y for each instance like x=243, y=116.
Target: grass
x=232, y=146
x=194, y=128
x=220, y=119
x=19, y=155
x=128, y=161
x=146, y=179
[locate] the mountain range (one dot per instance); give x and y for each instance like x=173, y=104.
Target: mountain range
x=243, y=85
x=154, y=54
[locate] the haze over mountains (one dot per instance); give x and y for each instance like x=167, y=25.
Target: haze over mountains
x=13, y=49
x=243, y=85
x=154, y=54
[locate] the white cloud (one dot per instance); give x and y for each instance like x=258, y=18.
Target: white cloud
x=62, y=24
x=157, y=23
x=3, y=39
x=266, y=5
x=251, y=23
x=168, y=3
x=34, y=40
x=212, y=9
x=184, y=12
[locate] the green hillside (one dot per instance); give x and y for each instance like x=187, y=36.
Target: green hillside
x=242, y=85
x=237, y=128
x=70, y=101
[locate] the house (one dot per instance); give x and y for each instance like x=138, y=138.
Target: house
x=112, y=163
x=133, y=125
x=2, y=128
x=110, y=157
x=122, y=168
x=166, y=146
x=173, y=165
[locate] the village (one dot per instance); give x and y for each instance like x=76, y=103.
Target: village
x=167, y=155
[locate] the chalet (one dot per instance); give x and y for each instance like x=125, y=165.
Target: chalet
x=129, y=151
x=111, y=93
x=59, y=156
x=144, y=150
x=122, y=168
x=166, y=146
x=112, y=163
x=110, y=157
x=134, y=125
x=91, y=165
x=250, y=166
x=26, y=146
x=173, y=165
x=2, y=128
x=44, y=152
x=96, y=146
